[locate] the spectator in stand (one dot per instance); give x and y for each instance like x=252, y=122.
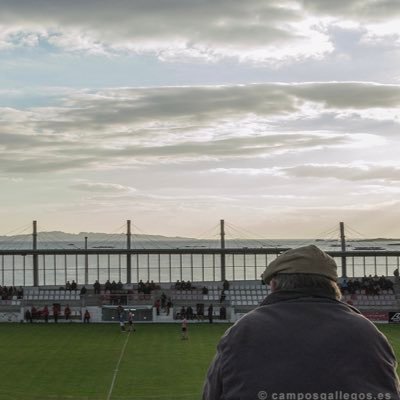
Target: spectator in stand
x=182, y=313
x=67, y=312
x=45, y=314
x=68, y=286
x=34, y=312
x=189, y=312
x=56, y=312
x=204, y=290
x=169, y=305
x=222, y=313
x=344, y=285
x=222, y=297
x=97, y=287
x=385, y=284
x=120, y=285
x=141, y=287
x=225, y=285
x=83, y=290
x=73, y=285
x=147, y=288
x=157, y=305
x=396, y=274
x=107, y=285
x=86, y=317
x=28, y=315
x=210, y=313
x=200, y=311
x=163, y=300
x=5, y=293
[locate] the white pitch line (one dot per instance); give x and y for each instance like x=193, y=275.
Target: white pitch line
x=117, y=366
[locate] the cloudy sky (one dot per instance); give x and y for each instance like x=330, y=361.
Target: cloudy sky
x=281, y=117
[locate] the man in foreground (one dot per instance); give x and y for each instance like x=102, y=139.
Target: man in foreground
x=302, y=341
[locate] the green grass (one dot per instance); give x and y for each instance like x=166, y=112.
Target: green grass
x=77, y=362
x=392, y=332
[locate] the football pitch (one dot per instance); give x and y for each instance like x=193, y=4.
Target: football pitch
x=98, y=362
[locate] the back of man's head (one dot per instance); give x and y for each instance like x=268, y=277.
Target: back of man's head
x=305, y=267
x=325, y=286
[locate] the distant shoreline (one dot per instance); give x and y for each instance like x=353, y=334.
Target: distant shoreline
x=70, y=237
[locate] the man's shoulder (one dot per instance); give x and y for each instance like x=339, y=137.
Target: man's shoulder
x=297, y=312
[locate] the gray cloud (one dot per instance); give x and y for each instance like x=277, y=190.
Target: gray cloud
x=189, y=106
x=364, y=172
x=272, y=155
x=352, y=95
x=133, y=127
x=356, y=172
x=366, y=10
x=102, y=187
x=35, y=164
x=207, y=29
x=320, y=38
x=252, y=30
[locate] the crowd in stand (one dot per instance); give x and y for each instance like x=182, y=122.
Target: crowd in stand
x=148, y=287
x=7, y=293
x=118, y=287
x=115, y=291
x=182, y=285
x=117, y=294
x=112, y=287
x=71, y=286
x=97, y=287
x=372, y=285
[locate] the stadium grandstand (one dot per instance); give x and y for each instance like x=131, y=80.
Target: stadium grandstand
x=166, y=303
x=165, y=284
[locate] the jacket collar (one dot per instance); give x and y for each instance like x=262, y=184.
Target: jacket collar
x=294, y=294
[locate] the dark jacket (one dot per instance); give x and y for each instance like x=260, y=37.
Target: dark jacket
x=301, y=342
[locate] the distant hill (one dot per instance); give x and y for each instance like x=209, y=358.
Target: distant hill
x=92, y=236
x=374, y=240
